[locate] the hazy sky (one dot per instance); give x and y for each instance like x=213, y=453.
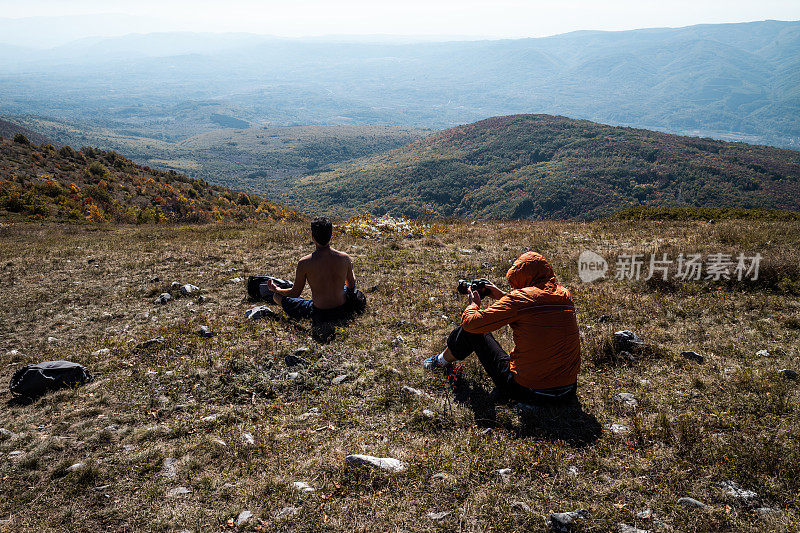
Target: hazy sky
x=499, y=18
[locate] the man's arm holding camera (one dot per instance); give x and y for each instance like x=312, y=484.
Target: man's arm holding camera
x=501, y=312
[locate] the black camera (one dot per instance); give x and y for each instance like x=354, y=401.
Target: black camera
x=477, y=285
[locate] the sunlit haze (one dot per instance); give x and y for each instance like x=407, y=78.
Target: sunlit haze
x=441, y=18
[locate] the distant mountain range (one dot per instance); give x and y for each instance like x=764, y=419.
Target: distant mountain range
x=729, y=81
x=541, y=166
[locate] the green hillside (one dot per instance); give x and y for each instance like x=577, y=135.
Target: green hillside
x=541, y=166
x=41, y=182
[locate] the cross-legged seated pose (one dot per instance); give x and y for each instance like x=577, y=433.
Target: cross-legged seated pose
x=329, y=272
x=543, y=366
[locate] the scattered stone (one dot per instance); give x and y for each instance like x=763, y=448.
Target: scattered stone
x=178, y=492
x=503, y=474
x=486, y=431
x=625, y=528
x=766, y=511
x=188, y=289
x=170, y=469
x=102, y=488
x=302, y=486
x=411, y=391
x=175, y=285
x=292, y=375
x=402, y=323
x=620, y=429
x=262, y=311
x=16, y=453
x=444, y=477
x=314, y=411
x=646, y=514
x=340, y=379
x=219, y=442
x=742, y=496
x=52, y=340
x=236, y=280
x=202, y=299
x=248, y=439
x=157, y=341
x=466, y=251
x=626, y=340
x=76, y=467
x=762, y=353
x=573, y=471
x=627, y=399
x=205, y=331
x=286, y=512
x=520, y=506
x=210, y=418
x=296, y=358
x=427, y=413
x=155, y=279
x=439, y=515
x=101, y=351
x=6, y=434
x=413, y=235
x=387, y=464
x=563, y=522
x=243, y=518
x=398, y=340
x=693, y=356
x=691, y=503
x=605, y=318
x=787, y=373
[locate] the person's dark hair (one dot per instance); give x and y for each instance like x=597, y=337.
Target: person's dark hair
x=321, y=230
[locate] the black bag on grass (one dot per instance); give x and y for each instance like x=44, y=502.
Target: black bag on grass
x=257, y=285
x=32, y=381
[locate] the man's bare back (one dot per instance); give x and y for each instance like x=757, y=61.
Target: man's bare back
x=327, y=270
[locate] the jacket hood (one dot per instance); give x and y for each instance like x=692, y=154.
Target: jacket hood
x=530, y=269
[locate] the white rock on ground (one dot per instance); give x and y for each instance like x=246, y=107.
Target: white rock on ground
x=169, y=469
x=178, y=492
x=743, y=496
x=101, y=351
x=411, y=391
x=188, y=289
x=261, y=311
x=503, y=474
x=387, y=464
x=691, y=503
x=340, y=379
x=76, y=467
x=627, y=399
x=619, y=429
x=444, y=477
x=243, y=518
x=762, y=353
x=302, y=486
x=248, y=439
x=286, y=512
x=6, y=434
x=427, y=413
x=563, y=522
x=439, y=515
x=625, y=528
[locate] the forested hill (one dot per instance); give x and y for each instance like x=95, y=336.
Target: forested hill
x=541, y=166
x=9, y=130
x=43, y=182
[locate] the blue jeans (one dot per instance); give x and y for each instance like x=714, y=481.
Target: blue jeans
x=304, y=308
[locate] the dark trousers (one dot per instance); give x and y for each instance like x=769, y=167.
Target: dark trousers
x=498, y=365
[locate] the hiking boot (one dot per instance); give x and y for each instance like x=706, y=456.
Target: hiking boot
x=432, y=363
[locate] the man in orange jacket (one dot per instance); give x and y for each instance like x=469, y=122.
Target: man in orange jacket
x=543, y=366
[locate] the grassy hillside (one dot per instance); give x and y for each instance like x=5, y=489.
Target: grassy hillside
x=44, y=183
x=540, y=166
x=175, y=414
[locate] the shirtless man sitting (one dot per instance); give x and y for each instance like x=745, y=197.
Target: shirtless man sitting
x=329, y=272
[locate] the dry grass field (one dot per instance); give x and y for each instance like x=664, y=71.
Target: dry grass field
x=222, y=417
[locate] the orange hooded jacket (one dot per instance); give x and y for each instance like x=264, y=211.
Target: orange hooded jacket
x=547, y=348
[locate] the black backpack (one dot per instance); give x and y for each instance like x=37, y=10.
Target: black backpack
x=32, y=381
x=257, y=286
